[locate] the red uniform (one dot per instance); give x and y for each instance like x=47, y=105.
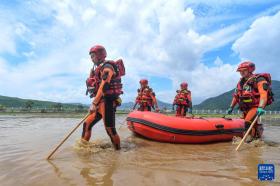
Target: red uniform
x=183, y=101
x=251, y=93
x=146, y=97
x=104, y=85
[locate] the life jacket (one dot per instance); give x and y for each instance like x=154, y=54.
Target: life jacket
x=115, y=85
x=182, y=98
x=247, y=94
x=144, y=97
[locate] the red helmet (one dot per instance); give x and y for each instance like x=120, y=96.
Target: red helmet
x=99, y=51
x=143, y=82
x=184, y=85
x=248, y=65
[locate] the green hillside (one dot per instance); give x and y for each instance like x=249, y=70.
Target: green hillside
x=219, y=102
x=223, y=101
x=18, y=102
x=14, y=102
x=129, y=105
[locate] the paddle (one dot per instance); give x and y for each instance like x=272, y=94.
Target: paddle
x=67, y=136
x=248, y=131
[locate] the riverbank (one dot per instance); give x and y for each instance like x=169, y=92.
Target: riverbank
x=50, y=114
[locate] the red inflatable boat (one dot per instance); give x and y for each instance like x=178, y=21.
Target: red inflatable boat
x=173, y=129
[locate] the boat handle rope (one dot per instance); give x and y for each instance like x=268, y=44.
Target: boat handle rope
x=224, y=117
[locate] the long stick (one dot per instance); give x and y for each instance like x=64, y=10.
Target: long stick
x=67, y=136
x=248, y=131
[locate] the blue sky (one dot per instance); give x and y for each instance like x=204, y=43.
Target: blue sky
x=44, y=44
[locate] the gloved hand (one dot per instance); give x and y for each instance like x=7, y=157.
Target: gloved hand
x=173, y=107
x=118, y=102
x=190, y=110
x=260, y=111
x=229, y=110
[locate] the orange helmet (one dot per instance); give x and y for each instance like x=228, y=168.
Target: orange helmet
x=248, y=65
x=99, y=51
x=143, y=81
x=184, y=85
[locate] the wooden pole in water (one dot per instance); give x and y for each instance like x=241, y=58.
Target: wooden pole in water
x=248, y=131
x=67, y=136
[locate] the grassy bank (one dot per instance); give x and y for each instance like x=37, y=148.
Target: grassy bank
x=52, y=114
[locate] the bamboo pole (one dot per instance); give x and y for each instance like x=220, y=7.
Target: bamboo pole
x=67, y=136
x=248, y=131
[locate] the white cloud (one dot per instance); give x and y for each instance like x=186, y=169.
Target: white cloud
x=230, y=2
x=88, y=14
x=218, y=62
x=3, y=67
x=260, y=44
x=63, y=11
x=7, y=37
x=20, y=29
x=158, y=38
x=212, y=81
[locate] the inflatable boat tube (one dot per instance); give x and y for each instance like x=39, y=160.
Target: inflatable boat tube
x=163, y=128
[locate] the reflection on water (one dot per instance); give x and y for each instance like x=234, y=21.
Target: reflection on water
x=25, y=142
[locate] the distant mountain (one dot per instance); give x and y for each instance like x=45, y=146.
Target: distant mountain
x=219, y=102
x=18, y=102
x=223, y=101
x=126, y=106
x=129, y=105
x=163, y=105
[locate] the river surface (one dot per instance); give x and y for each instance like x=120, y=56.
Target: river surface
x=26, y=141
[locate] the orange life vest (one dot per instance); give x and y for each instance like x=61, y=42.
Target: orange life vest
x=182, y=98
x=247, y=94
x=115, y=85
x=144, y=97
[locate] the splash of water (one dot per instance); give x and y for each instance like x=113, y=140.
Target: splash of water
x=236, y=140
x=255, y=143
x=84, y=146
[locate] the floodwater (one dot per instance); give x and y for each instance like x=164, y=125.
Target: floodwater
x=26, y=141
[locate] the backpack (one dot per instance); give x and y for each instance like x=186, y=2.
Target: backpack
x=270, y=95
x=118, y=67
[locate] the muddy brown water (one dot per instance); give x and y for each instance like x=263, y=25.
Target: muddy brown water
x=25, y=142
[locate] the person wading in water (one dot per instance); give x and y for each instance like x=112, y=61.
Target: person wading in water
x=253, y=93
x=183, y=100
x=146, y=98
x=104, y=86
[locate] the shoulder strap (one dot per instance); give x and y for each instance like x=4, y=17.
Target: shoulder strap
x=107, y=64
